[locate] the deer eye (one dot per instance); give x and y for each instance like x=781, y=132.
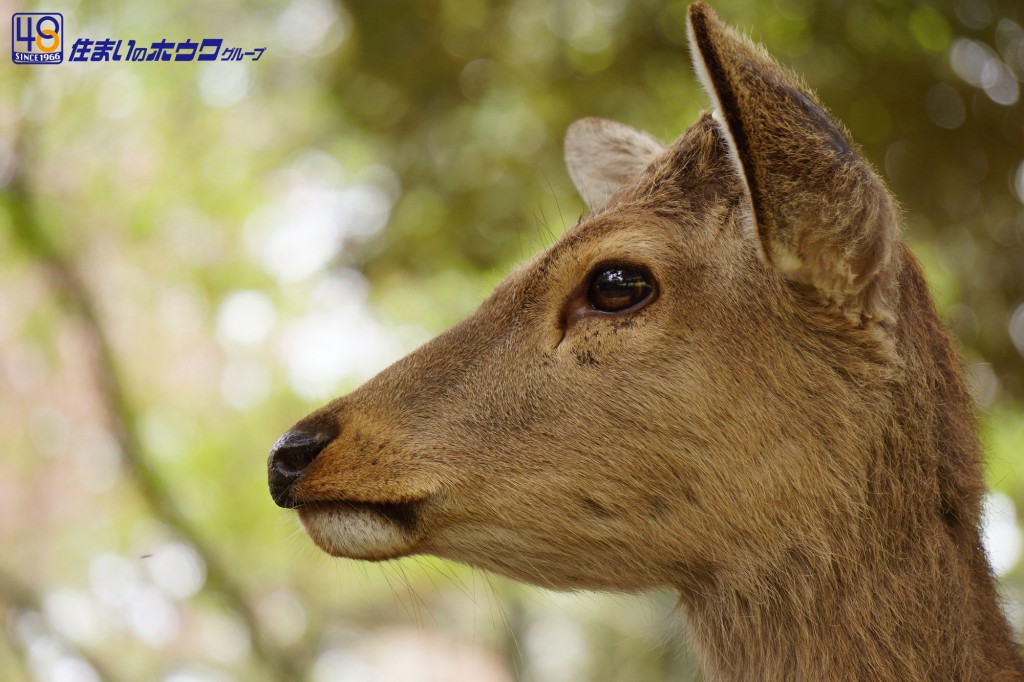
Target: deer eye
x=619, y=287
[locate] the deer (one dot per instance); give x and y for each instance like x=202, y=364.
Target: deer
x=728, y=379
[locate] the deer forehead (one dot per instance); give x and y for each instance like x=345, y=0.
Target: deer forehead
x=675, y=209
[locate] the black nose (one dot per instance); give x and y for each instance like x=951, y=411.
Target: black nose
x=291, y=454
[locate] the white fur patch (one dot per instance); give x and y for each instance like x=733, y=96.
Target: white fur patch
x=354, y=533
x=785, y=260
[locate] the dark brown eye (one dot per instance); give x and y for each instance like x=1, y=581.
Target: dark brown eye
x=618, y=287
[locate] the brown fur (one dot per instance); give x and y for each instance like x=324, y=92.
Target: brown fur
x=782, y=434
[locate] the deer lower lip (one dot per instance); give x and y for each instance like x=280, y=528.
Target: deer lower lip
x=373, y=531
x=402, y=514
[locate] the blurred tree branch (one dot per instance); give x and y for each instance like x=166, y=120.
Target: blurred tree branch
x=17, y=597
x=75, y=298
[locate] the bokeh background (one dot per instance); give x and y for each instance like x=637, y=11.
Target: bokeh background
x=192, y=256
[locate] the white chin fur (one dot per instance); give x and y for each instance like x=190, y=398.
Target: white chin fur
x=354, y=533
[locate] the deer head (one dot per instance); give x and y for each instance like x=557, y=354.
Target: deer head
x=640, y=404
x=729, y=378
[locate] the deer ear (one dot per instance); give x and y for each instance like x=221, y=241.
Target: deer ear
x=603, y=156
x=822, y=215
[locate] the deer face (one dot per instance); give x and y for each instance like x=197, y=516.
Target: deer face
x=655, y=397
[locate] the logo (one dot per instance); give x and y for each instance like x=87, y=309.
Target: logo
x=37, y=38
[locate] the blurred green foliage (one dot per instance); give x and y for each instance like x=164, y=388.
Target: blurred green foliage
x=258, y=237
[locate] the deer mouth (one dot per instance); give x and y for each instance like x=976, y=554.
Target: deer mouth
x=403, y=514
x=354, y=529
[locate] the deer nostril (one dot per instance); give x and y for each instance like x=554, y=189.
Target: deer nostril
x=291, y=455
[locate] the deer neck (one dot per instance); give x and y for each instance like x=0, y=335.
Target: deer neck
x=907, y=610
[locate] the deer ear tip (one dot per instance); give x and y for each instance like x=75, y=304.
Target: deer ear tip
x=700, y=13
x=580, y=136
x=707, y=35
x=697, y=8
x=581, y=125
x=604, y=155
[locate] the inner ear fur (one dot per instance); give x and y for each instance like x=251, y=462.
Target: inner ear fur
x=823, y=216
